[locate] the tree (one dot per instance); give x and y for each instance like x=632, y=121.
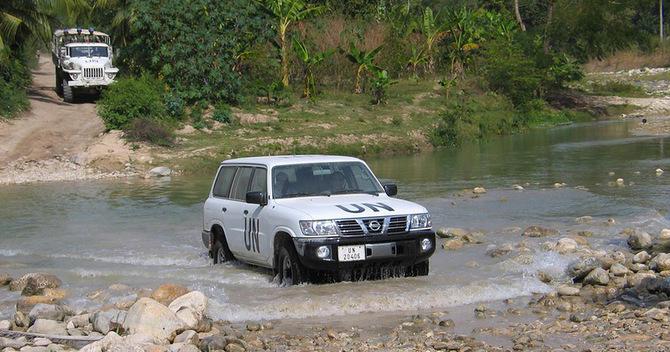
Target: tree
x=364, y=61
x=433, y=31
x=286, y=12
x=517, y=13
x=417, y=58
x=122, y=17
x=309, y=61
x=465, y=36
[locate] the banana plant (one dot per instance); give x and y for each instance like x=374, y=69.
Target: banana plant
x=433, y=30
x=286, y=12
x=465, y=37
x=364, y=61
x=309, y=61
x=417, y=58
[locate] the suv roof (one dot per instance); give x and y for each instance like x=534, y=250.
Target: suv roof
x=271, y=161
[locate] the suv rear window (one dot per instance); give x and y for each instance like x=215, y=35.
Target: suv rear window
x=241, y=183
x=223, y=181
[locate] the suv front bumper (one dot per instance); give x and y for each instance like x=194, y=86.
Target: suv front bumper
x=396, y=250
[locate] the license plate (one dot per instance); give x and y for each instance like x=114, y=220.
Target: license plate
x=351, y=253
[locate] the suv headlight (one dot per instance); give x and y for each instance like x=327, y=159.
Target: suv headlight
x=318, y=228
x=420, y=221
x=72, y=66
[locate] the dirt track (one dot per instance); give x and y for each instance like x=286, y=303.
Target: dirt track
x=51, y=128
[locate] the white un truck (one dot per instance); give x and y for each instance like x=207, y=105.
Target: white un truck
x=304, y=216
x=83, y=60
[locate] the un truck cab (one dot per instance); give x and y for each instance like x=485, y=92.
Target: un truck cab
x=301, y=215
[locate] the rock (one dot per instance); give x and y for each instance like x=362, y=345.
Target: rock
x=639, y=240
x=108, y=320
x=79, y=321
x=40, y=341
x=233, y=347
x=638, y=278
x=659, y=172
x=584, y=219
x=641, y=257
x=448, y=323
x=190, y=308
x=442, y=232
x=160, y=171
x=213, y=343
x=565, y=245
x=618, y=269
x=565, y=290
x=188, y=348
x=663, y=236
x=585, y=233
x=619, y=181
x=638, y=267
x=453, y=232
x=537, y=231
x=452, y=244
x=5, y=279
x=46, y=311
x=661, y=262
x=597, y=276
x=26, y=303
x=518, y=187
x=479, y=190
x=500, y=251
x=13, y=343
x=167, y=293
x=41, y=281
x=579, y=269
x=48, y=327
x=151, y=318
x=188, y=336
x=5, y=324
x=103, y=344
x=474, y=238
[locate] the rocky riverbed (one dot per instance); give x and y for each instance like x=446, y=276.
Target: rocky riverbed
x=618, y=298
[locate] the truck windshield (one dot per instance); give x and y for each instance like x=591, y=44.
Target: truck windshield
x=88, y=51
x=322, y=179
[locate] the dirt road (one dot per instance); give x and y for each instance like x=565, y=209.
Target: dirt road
x=51, y=128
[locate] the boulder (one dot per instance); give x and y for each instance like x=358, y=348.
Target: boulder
x=25, y=304
x=13, y=343
x=638, y=279
x=79, y=321
x=663, y=236
x=641, y=257
x=46, y=311
x=167, y=293
x=565, y=290
x=474, y=238
x=103, y=344
x=5, y=279
x=5, y=324
x=188, y=336
x=597, y=276
x=160, y=171
x=639, y=240
x=537, y=231
x=108, y=320
x=566, y=245
x=151, y=318
x=191, y=308
x=479, y=190
x=452, y=244
x=661, y=262
x=48, y=327
x=579, y=269
x=40, y=281
x=618, y=269
x=500, y=251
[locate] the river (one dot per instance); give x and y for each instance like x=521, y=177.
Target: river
x=146, y=232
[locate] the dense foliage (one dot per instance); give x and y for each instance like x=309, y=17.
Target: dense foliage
x=196, y=48
x=129, y=99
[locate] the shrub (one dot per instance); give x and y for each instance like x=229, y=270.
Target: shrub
x=129, y=99
x=174, y=105
x=222, y=113
x=150, y=130
x=14, y=79
x=380, y=85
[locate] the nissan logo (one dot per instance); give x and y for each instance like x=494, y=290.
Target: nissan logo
x=374, y=225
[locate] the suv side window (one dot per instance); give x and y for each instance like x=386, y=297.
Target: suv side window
x=241, y=183
x=259, y=183
x=223, y=181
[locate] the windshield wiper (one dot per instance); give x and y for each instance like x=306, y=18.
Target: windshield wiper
x=350, y=191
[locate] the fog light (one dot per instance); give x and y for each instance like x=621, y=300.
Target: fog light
x=323, y=252
x=74, y=76
x=426, y=244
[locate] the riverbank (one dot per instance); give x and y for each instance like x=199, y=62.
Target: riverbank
x=614, y=299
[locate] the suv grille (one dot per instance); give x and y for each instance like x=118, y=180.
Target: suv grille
x=93, y=72
x=372, y=226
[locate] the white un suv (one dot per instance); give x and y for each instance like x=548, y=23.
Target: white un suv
x=314, y=214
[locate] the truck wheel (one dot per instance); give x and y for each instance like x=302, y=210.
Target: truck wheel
x=68, y=93
x=59, y=82
x=221, y=253
x=290, y=270
x=420, y=269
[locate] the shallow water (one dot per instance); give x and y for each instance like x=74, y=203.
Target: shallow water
x=147, y=232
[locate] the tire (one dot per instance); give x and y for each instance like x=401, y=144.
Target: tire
x=221, y=253
x=59, y=82
x=68, y=93
x=420, y=269
x=288, y=268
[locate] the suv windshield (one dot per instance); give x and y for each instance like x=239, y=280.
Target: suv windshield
x=322, y=179
x=88, y=51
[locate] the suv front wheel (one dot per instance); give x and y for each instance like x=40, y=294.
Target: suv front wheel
x=288, y=267
x=221, y=253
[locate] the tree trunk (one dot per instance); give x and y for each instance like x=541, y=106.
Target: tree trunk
x=357, y=84
x=550, y=15
x=517, y=13
x=284, y=57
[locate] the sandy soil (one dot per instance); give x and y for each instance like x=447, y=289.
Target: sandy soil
x=58, y=141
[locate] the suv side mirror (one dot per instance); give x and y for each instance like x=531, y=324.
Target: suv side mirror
x=391, y=189
x=259, y=198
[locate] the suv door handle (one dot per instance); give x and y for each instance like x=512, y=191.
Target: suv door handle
x=224, y=209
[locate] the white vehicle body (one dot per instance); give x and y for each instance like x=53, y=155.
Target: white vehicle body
x=251, y=220
x=83, y=60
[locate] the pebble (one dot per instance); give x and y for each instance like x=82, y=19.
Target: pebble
x=479, y=190
x=565, y=290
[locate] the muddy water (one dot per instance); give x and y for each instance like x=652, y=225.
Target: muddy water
x=146, y=232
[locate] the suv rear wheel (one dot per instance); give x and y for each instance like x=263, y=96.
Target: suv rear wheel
x=288, y=267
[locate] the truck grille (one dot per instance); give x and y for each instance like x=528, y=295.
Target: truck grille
x=93, y=73
x=372, y=226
